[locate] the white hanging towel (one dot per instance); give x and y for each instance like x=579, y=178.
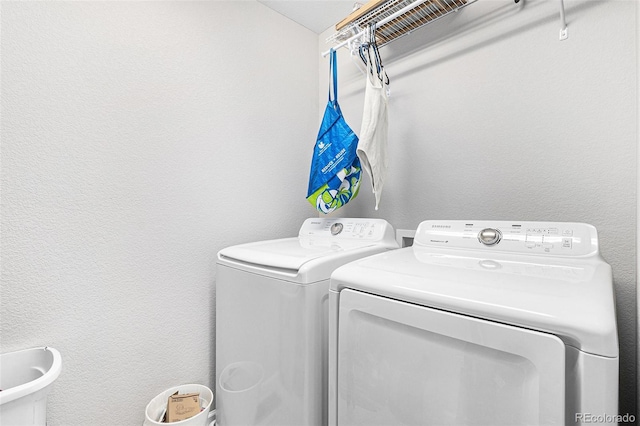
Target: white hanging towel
x=372, y=147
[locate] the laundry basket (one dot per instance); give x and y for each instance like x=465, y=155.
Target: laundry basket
x=26, y=377
x=158, y=405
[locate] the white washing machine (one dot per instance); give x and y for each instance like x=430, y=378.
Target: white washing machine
x=271, y=320
x=478, y=323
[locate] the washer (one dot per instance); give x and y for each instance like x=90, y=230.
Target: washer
x=479, y=322
x=271, y=320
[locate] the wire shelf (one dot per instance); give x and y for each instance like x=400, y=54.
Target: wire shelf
x=395, y=18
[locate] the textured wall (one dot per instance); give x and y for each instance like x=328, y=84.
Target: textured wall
x=138, y=139
x=492, y=117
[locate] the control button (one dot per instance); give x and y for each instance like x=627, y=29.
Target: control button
x=530, y=244
x=336, y=228
x=489, y=236
x=567, y=232
x=566, y=242
x=548, y=241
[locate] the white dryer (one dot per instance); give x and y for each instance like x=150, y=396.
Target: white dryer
x=478, y=323
x=271, y=320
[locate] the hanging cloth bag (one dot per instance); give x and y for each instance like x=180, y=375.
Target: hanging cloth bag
x=335, y=168
x=372, y=149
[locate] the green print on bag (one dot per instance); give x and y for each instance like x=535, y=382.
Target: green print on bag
x=327, y=200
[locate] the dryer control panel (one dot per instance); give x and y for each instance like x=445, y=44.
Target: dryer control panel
x=347, y=229
x=549, y=238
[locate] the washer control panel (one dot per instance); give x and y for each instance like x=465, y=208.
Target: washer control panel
x=550, y=238
x=346, y=229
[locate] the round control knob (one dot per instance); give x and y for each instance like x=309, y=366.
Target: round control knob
x=489, y=236
x=336, y=228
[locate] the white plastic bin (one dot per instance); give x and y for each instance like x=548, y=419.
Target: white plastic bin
x=25, y=379
x=158, y=405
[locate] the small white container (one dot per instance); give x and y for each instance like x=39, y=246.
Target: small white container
x=157, y=406
x=25, y=379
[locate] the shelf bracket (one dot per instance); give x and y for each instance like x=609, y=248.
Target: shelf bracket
x=564, y=31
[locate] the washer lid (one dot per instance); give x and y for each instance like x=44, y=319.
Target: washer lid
x=288, y=253
x=571, y=297
x=322, y=246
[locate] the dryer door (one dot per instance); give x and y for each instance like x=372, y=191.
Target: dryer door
x=405, y=364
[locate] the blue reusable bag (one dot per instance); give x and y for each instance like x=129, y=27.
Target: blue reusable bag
x=335, y=167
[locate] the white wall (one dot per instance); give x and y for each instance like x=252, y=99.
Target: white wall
x=138, y=139
x=492, y=117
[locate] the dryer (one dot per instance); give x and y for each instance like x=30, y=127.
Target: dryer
x=271, y=320
x=478, y=323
